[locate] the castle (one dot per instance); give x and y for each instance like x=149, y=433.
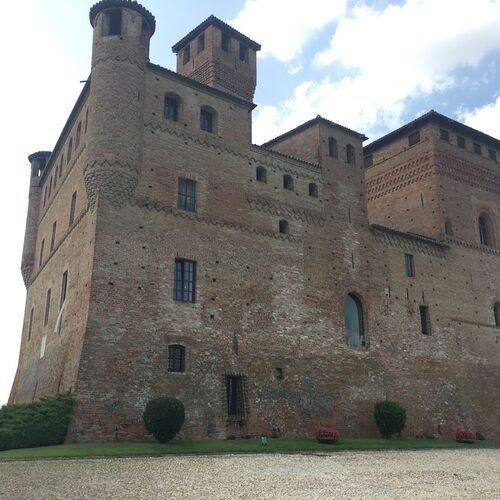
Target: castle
x=271, y=288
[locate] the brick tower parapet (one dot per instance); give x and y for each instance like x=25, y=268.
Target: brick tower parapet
x=122, y=31
x=38, y=161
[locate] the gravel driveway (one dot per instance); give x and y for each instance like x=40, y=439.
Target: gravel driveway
x=388, y=474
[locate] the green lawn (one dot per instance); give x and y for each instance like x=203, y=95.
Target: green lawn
x=234, y=446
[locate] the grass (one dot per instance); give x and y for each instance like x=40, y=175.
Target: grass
x=281, y=445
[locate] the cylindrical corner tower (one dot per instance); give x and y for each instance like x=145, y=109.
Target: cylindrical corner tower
x=38, y=161
x=122, y=30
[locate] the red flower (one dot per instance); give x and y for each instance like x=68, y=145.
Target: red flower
x=465, y=435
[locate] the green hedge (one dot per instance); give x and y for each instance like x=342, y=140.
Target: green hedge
x=42, y=423
x=163, y=417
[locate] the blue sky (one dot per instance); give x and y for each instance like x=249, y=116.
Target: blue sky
x=371, y=66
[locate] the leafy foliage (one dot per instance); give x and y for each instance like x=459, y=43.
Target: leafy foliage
x=163, y=417
x=390, y=418
x=42, y=423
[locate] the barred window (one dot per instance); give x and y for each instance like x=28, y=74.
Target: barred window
x=184, y=280
x=235, y=398
x=186, y=196
x=176, y=358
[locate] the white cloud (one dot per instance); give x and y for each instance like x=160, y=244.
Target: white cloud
x=485, y=118
x=390, y=55
x=284, y=27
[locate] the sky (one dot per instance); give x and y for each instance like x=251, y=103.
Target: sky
x=369, y=65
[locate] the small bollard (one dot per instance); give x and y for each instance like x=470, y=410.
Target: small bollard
x=263, y=440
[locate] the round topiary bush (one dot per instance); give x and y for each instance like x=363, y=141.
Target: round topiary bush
x=390, y=418
x=327, y=435
x=465, y=436
x=163, y=417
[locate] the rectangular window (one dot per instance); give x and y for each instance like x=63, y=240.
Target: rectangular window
x=78, y=135
x=176, y=358
x=461, y=141
x=444, y=134
x=61, y=166
x=30, y=327
x=41, y=253
x=72, y=209
x=414, y=138
x=243, y=52
x=114, y=21
x=171, y=109
x=53, y=237
x=186, y=196
x=235, y=400
x=47, y=308
x=368, y=161
x=68, y=153
x=201, y=43
x=425, y=320
x=492, y=154
x=206, y=121
x=477, y=148
x=50, y=187
x=225, y=42
x=64, y=287
x=186, y=55
x=184, y=280
x=409, y=265
x=45, y=196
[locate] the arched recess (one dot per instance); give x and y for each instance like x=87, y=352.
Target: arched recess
x=354, y=320
x=486, y=229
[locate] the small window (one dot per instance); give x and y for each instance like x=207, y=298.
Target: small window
x=235, y=400
x=50, y=187
x=41, y=253
x=485, y=230
x=283, y=226
x=496, y=312
x=30, y=326
x=288, y=182
x=492, y=154
x=171, y=108
x=313, y=190
x=243, y=52
x=207, y=120
x=368, y=161
x=261, y=174
x=45, y=196
x=332, y=147
x=354, y=321
x=425, y=320
x=409, y=265
x=86, y=121
x=461, y=141
x=201, y=43
x=448, y=227
x=444, y=135
x=113, y=22
x=414, y=138
x=184, y=280
x=279, y=373
x=350, y=154
x=53, y=237
x=64, y=288
x=72, y=209
x=476, y=147
x=225, y=42
x=70, y=149
x=186, y=54
x=176, y=358
x=47, y=308
x=78, y=135
x=61, y=166
x=186, y=195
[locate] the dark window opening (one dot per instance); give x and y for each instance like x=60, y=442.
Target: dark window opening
x=186, y=195
x=409, y=265
x=448, y=227
x=176, y=358
x=460, y=141
x=496, y=312
x=492, y=154
x=78, y=134
x=225, y=42
x=283, y=226
x=50, y=187
x=414, y=138
x=288, y=182
x=41, y=253
x=279, y=373
x=171, y=109
x=45, y=196
x=368, y=161
x=444, y=135
x=114, y=18
x=485, y=233
x=47, y=308
x=206, y=121
x=313, y=190
x=53, y=237
x=425, y=320
x=186, y=55
x=201, y=43
x=184, y=280
x=354, y=321
x=86, y=120
x=72, y=209
x=477, y=148
x=30, y=327
x=332, y=147
x=70, y=149
x=61, y=166
x=235, y=399
x=64, y=287
x=261, y=174
x=350, y=154
x=243, y=52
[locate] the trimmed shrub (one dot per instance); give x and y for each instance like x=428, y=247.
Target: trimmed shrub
x=163, y=417
x=327, y=435
x=465, y=436
x=42, y=423
x=390, y=418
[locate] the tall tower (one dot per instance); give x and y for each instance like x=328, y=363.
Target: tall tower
x=217, y=55
x=122, y=30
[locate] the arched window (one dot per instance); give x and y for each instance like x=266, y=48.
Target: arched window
x=176, y=358
x=485, y=230
x=261, y=174
x=171, y=108
x=448, y=227
x=496, y=312
x=284, y=228
x=208, y=119
x=288, y=182
x=313, y=190
x=350, y=154
x=353, y=320
x=332, y=147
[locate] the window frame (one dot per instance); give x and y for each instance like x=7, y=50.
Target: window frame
x=200, y=43
x=496, y=313
x=207, y=120
x=186, y=54
x=288, y=183
x=333, y=151
x=461, y=143
x=425, y=320
x=180, y=293
x=64, y=289
x=284, y=226
x=225, y=42
x=171, y=108
x=186, y=194
x=72, y=209
x=350, y=154
x=176, y=358
x=444, y=135
x=48, y=299
x=261, y=174
x=409, y=265
x=360, y=309
x=413, y=138
x=313, y=190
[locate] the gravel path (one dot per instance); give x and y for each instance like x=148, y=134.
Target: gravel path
x=389, y=474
